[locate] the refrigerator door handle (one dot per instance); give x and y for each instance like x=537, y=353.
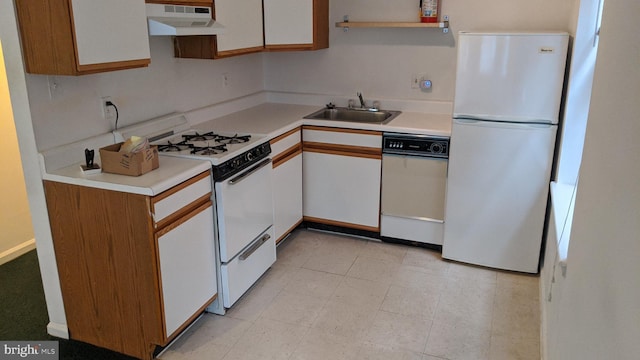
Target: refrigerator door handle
x=503, y=124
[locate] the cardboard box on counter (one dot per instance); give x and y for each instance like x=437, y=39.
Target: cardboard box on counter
x=132, y=164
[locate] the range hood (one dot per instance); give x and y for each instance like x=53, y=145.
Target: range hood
x=179, y=20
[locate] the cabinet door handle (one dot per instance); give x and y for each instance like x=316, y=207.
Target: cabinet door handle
x=255, y=246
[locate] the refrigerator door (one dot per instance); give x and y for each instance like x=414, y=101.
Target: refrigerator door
x=510, y=77
x=497, y=193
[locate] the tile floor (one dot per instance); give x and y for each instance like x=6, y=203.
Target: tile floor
x=330, y=296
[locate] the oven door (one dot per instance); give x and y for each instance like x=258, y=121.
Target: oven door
x=244, y=206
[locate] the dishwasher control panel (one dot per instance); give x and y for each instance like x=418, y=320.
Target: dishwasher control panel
x=417, y=145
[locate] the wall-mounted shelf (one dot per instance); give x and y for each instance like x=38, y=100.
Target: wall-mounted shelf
x=346, y=24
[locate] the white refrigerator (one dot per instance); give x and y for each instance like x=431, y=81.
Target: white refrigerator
x=505, y=115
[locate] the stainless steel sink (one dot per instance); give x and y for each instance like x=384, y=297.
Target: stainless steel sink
x=355, y=115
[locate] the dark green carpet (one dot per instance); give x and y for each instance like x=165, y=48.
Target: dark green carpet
x=23, y=311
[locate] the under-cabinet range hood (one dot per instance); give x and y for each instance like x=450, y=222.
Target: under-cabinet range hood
x=179, y=20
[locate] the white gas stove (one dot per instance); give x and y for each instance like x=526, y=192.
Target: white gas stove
x=242, y=195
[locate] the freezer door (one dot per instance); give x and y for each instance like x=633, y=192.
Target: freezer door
x=510, y=77
x=497, y=193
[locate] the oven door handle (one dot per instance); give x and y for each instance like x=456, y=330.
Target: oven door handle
x=245, y=255
x=244, y=175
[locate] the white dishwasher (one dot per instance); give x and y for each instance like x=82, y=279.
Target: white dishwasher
x=414, y=180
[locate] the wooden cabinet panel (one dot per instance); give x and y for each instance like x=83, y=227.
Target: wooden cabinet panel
x=110, y=31
x=341, y=190
x=126, y=285
x=287, y=182
x=174, y=203
x=106, y=260
x=341, y=177
x=242, y=21
x=296, y=24
x=187, y=268
x=75, y=37
x=288, y=25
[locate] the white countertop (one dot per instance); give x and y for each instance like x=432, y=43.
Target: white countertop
x=269, y=119
x=272, y=119
x=172, y=171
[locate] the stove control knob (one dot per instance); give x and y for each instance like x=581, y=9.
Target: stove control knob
x=436, y=148
x=249, y=156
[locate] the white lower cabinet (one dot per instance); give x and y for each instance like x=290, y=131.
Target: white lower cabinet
x=342, y=189
x=341, y=177
x=287, y=182
x=287, y=196
x=187, y=271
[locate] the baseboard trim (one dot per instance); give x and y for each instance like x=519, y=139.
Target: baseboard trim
x=58, y=330
x=17, y=251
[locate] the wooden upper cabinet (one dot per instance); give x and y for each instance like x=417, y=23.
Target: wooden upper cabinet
x=296, y=24
x=76, y=37
x=242, y=21
x=288, y=25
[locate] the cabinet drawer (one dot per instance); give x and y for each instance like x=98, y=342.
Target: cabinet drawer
x=285, y=141
x=175, y=202
x=350, y=137
x=239, y=274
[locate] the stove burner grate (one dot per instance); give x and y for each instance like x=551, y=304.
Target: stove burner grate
x=208, y=150
x=235, y=139
x=200, y=137
x=174, y=147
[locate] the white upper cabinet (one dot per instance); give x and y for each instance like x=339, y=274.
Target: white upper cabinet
x=242, y=21
x=296, y=24
x=288, y=22
x=110, y=31
x=75, y=37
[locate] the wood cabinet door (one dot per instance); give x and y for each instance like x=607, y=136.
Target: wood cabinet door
x=243, y=26
x=288, y=22
x=341, y=190
x=187, y=267
x=296, y=25
x=287, y=196
x=110, y=31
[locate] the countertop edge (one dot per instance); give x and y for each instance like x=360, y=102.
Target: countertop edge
x=151, y=188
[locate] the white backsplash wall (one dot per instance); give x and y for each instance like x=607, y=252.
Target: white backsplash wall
x=72, y=111
x=380, y=62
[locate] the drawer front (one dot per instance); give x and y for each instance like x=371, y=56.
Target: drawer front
x=285, y=141
x=179, y=197
x=358, y=138
x=240, y=273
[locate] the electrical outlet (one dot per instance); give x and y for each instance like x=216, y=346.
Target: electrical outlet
x=108, y=111
x=415, y=81
x=225, y=80
x=55, y=88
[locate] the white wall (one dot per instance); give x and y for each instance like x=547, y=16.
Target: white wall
x=27, y=144
x=73, y=110
x=574, y=123
x=380, y=62
x=15, y=219
x=599, y=314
